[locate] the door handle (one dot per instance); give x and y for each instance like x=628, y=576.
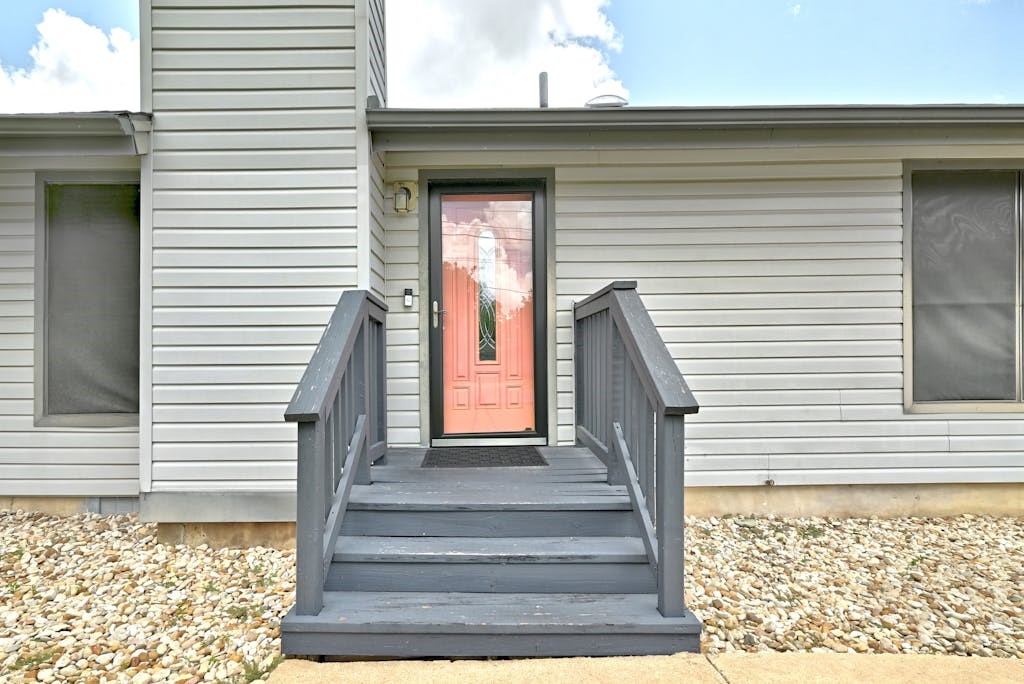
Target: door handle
x=437, y=313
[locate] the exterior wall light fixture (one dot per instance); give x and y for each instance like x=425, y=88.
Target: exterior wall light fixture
x=405, y=197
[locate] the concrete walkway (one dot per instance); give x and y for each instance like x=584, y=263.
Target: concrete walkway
x=736, y=668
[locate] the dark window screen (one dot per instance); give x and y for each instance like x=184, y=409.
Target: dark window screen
x=92, y=299
x=964, y=285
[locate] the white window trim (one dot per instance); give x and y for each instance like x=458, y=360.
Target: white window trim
x=952, y=407
x=42, y=417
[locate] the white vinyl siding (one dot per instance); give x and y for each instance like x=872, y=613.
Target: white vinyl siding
x=46, y=461
x=377, y=52
x=775, y=276
x=377, y=237
x=256, y=120
x=405, y=355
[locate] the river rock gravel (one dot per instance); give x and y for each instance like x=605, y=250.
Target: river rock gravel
x=911, y=585
x=91, y=598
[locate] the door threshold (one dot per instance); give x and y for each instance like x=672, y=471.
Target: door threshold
x=489, y=441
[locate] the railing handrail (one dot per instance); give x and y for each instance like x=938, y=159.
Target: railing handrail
x=631, y=405
x=323, y=373
x=658, y=369
x=339, y=408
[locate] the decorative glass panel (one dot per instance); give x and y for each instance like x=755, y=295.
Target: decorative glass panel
x=964, y=283
x=486, y=299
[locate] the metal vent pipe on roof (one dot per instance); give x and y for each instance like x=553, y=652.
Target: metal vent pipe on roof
x=543, y=90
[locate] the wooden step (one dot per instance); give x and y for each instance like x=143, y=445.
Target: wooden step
x=489, y=509
x=475, y=476
x=490, y=549
x=458, y=624
x=489, y=523
x=453, y=496
x=491, y=564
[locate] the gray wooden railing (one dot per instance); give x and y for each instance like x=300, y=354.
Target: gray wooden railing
x=339, y=406
x=631, y=402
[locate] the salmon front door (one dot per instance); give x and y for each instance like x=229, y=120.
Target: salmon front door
x=483, y=312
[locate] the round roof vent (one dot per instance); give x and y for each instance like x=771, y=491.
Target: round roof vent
x=606, y=102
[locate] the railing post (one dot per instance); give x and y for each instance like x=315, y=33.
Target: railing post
x=309, y=519
x=669, y=511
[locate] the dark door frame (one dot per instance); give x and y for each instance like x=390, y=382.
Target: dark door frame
x=489, y=182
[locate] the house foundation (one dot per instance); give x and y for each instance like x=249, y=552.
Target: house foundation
x=831, y=501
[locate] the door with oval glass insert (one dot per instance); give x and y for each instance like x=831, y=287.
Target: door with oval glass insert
x=483, y=316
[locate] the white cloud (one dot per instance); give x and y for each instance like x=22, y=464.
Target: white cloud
x=794, y=9
x=76, y=67
x=488, y=53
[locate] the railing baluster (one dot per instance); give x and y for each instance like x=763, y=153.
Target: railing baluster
x=616, y=362
x=371, y=382
x=381, y=385
x=604, y=331
x=643, y=444
x=347, y=394
x=326, y=474
x=341, y=432
x=340, y=436
x=589, y=373
x=649, y=456
x=360, y=398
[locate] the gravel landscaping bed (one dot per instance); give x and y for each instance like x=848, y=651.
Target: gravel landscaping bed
x=911, y=585
x=90, y=598
x=85, y=597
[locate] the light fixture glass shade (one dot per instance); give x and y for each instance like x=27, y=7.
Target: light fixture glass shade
x=402, y=197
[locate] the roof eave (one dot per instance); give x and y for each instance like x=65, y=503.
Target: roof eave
x=89, y=132
x=694, y=118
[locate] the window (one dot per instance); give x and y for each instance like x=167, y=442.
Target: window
x=87, y=292
x=965, y=247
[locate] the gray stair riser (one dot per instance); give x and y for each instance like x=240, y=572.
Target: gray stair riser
x=490, y=523
x=470, y=645
x=493, y=577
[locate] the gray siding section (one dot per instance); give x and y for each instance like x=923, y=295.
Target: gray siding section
x=46, y=461
x=254, y=226
x=775, y=277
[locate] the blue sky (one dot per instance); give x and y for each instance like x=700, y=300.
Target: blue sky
x=18, y=32
x=820, y=51
x=662, y=52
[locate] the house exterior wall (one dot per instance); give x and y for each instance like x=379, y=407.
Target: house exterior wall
x=259, y=154
x=773, y=268
x=46, y=461
x=376, y=51
x=377, y=276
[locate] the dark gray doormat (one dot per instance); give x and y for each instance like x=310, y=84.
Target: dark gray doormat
x=483, y=457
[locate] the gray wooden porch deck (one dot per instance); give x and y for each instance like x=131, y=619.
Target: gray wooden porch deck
x=583, y=556
x=565, y=464
x=542, y=560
